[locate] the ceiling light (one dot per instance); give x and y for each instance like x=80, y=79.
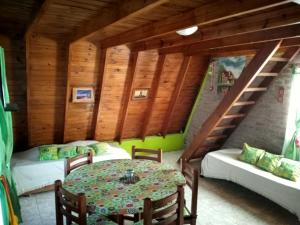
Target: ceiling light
x=187, y=31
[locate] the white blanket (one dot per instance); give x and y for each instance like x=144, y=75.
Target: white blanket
x=223, y=164
x=30, y=173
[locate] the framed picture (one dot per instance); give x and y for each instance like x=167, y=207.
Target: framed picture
x=83, y=94
x=140, y=93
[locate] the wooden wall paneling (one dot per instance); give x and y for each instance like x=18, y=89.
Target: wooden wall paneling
x=166, y=87
x=84, y=71
x=114, y=77
x=178, y=87
x=46, y=72
x=127, y=93
x=137, y=109
x=188, y=94
x=153, y=94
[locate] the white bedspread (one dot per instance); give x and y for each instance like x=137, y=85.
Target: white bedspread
x=30, y=173
x=223, y=164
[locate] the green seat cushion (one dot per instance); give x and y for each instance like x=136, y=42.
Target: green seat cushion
x=100, y=147
x=67, y=151
x=269, y=161
x=250, y=154
x=84, y=149
x=48, y=152
x=288, y=169
x=95, y=219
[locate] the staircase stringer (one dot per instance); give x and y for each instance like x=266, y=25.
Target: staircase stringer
x=246, y=78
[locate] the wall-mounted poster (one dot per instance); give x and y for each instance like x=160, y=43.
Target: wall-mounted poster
x=83, y=94
x=140, y=93
x=229, y=69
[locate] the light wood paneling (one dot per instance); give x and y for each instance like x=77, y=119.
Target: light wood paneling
x=84, y=71
x=111, y=97
x=46, y=87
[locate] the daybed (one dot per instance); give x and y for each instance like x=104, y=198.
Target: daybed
x=223, y=164
x=32, y=175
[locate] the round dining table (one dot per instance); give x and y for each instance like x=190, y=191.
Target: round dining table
x=107, y=194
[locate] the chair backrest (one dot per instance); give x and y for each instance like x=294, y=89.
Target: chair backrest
x=75, y=162
x=191, y=176
x=168, y=210
x=73, y=207
x=151, y=154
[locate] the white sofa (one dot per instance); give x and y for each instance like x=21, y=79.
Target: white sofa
x=223, y=164
x=32, y=175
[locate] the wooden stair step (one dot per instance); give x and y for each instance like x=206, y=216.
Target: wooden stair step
x=267, y=74
x=244, y=103
x=215, y=137
x=224, y=127
x=232, y=116
x=279, y=59
x=253, y=89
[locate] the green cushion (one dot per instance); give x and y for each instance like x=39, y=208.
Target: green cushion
x=100, y=147
x=84, y=149
x=67, y=151
x=269, y=161
x=48, y=152
x=288, y=169
x=250, y=154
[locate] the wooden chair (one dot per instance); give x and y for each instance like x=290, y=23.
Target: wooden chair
x=168, y=210
x=75, y=162
x=74, y=208
x=191, y=176
x=139, y=153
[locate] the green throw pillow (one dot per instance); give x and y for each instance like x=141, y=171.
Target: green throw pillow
x=48, y=152
x=100, y=147
x=67, y=151
x=288, y=169
x=84, y=149
x=250, y=154
x=269, y=161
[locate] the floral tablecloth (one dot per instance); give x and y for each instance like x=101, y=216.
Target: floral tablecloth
x=107, y=195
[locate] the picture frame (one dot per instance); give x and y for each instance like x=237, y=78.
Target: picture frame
x=83, y=94
x=140, y=94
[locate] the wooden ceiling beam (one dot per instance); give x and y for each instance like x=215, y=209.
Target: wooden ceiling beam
x=110, y=15
x=279, y=17
x=240, y=39
x=38, y=16
x=153, y=93
x=213, y=12
x=175, y=95
x=128, y=92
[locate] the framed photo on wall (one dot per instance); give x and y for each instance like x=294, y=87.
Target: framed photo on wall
x=83, y=94
x=140, y=93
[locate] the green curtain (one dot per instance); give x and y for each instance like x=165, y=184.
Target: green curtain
x=291, y=147
x=6, y=139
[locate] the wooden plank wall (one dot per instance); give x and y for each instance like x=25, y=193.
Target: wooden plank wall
x=84, y=71
x=46, y=87
x=16, y=79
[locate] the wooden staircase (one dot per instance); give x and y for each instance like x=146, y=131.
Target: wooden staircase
x=253, y=82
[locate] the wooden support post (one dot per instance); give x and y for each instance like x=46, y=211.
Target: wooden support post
x=98, y=99
x=128, y=91
x=246, y=78
x=153, y=94
x=68, y=90
x=175, y=95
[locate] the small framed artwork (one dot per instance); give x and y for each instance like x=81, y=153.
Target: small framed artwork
x=83, y=94
x=140, y=93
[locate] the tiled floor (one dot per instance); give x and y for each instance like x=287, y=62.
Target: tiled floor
x=219, y=203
